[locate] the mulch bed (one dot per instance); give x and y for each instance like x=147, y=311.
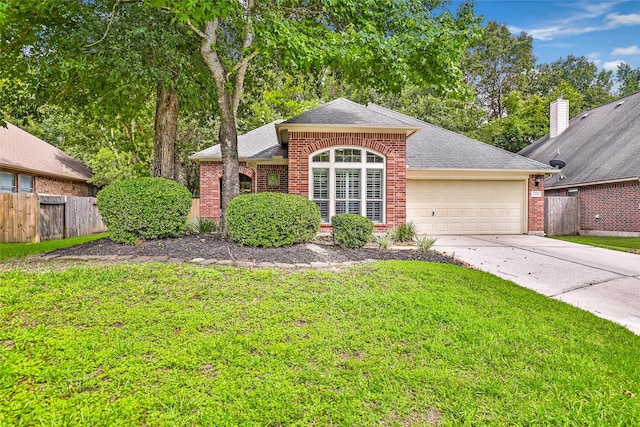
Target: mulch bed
x=214, y=246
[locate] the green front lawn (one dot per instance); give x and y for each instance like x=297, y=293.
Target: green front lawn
x=20, y=250
x=625, y=244
x=384, y=344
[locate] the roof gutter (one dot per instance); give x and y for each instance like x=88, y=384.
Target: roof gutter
x=34, y=172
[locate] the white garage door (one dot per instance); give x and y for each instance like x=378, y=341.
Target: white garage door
x=466, y=207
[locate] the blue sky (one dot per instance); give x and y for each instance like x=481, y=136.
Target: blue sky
x=606, y=32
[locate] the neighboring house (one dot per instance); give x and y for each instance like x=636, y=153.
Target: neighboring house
x=388, y=167
x=598, y=153
x=30, y=165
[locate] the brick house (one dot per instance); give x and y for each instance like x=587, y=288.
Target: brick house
x=388, y=167
x=598, y=152
x=31, y=165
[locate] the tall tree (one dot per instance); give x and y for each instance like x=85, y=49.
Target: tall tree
x=577, y=73
x=109, y=56
x=384, y=44
x=628, y=78
x=496, y=66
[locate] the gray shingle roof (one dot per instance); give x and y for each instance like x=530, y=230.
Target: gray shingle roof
x=19, y=150
x=602, y=144
x=433, y=147
x=258, y=144
x=344, y=112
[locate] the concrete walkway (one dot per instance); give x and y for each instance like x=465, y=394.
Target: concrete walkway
x=602, y=281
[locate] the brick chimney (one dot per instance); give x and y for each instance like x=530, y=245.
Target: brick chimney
x=559, y=117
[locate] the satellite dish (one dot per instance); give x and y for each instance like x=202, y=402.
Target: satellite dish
x=557, y=163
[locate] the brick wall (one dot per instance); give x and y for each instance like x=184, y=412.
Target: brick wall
x=535, y=205
x=210, y=174
x=61, y=187
x=393, y=146
x=262, y=183
x=617, y=205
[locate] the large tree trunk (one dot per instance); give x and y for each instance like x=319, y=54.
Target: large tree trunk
x=166, y=132
x=228, y=133
x=230, y=165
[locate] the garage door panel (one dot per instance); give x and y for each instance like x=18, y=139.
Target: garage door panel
x=466, y=207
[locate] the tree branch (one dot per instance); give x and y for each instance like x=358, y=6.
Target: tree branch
x=242, y=65
x=113, y=16
x=196, y=30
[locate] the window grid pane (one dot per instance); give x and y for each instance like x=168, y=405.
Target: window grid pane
x=374, y=184
x=320, y=190
x=348, y=191
x=374, y=195
x=374, y=211
x=321, y=157
x=26, y=184
x=321, y=184
x=348, y=155
x=7, y=182
x=323, y=205
x=374, y=158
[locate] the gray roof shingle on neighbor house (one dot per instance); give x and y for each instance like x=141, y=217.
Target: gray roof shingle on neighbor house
x=19, y=150
x=258, y=144
x=433, y=147
x=602, y=144
x=344, y=112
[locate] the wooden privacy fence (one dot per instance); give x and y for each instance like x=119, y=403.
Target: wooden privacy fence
x=195, y=209
x=34, y=218
x=561, y=216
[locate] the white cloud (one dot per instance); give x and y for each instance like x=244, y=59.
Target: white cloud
x=551, y=32
x=631, y=50
x=581, y=18
x=613, y=65
x=616, y=20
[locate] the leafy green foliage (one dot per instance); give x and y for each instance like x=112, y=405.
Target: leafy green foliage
x=351, y=230
x=628, y=78
x=272, y=219
x=208, y=226
x=385, y=240
x=144, y=208
x=424, y=243
x=496, y=65
x=405, y=232
x=389, y=343
x=20, y=250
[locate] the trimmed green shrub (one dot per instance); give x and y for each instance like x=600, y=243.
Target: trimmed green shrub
x=144, y=208
x=351, y=230
x=272, y=219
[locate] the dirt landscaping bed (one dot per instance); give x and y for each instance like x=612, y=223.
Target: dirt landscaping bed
x=214, y=246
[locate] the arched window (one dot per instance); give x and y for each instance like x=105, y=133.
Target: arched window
x=348, y=180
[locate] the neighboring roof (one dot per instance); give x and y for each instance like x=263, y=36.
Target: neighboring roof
x=600, y=145
x=258, y=144
x=19, y=150
x=433, y=147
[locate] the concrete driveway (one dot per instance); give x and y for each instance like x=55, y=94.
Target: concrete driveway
x=602, y=281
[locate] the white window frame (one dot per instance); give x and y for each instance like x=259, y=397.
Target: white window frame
x=362, y=165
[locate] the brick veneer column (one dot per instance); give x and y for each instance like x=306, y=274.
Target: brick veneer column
x=535, y=205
